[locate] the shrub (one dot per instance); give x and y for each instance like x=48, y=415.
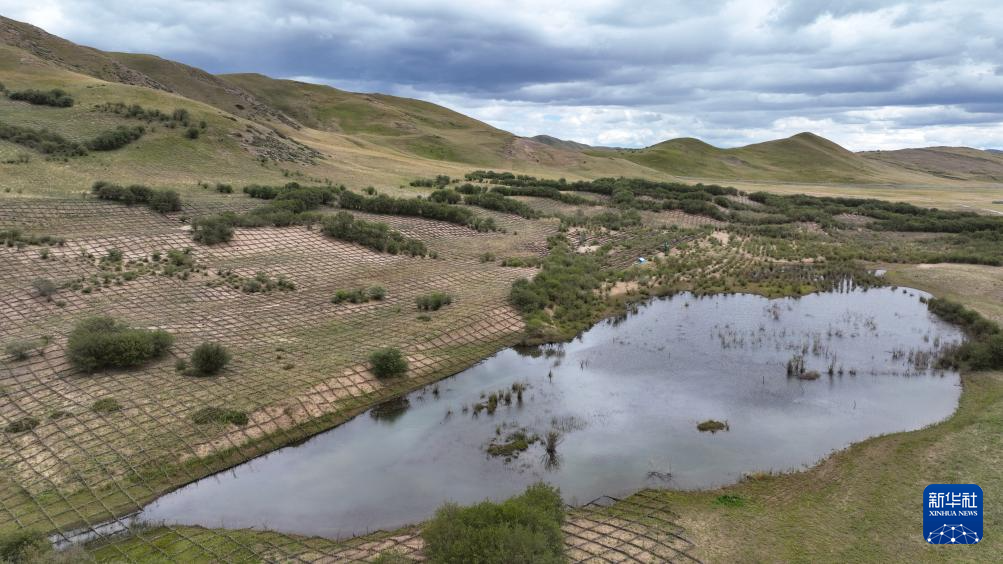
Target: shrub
x=115, y=138
x=376, y=292
x=497, y=202
x=102, y=342
x=446, y=196
x=55, y=97
x=22, y=348
x=23, y=545
x=376, y=236
x=984, y=349
x=44, y=287
x=164, y=201
x=21, y=425
x=158, y=200
x=209, y=358
x=526, y=528
x=211, y=230
x=192, y=133
x=354, y=296
x=220, y=415
x=41, y=140
x=388, y=362
x=106, y=405
x=224, y=188
x=433, y=301
x=415, y=207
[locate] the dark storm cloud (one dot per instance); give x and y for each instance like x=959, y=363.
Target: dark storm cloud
x=606, y=72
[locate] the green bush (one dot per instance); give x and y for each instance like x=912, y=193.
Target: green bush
x=21, y=425
x=55, y=97
x=45, y=287
x=162, y=201
x=209, y=358
x=433, y=301
x=446, y=196
x=388, y=362
x=22, y=348
x=376, y=292
x=219, y=415
x=106, y=405
x=984, y=349
x=102, y=342
x=523, y=529
x=115, y=138
x=373, y=235
x=211, y=230
x=192, y=133
x=416, y=207
x=41, y=140
x=23, y=545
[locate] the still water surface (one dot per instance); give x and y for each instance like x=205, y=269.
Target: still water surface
x=626, y=396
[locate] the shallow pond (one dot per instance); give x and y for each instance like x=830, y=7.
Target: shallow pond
x=626, y=397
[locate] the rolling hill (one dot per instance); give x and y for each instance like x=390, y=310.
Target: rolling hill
x=958, y=163
x=262, y=127
x=804, y=157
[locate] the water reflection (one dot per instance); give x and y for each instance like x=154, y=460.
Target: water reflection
x=608, y=413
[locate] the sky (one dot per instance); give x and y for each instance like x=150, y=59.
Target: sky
x=866, y=74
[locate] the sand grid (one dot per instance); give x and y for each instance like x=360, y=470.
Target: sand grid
x=299, y=366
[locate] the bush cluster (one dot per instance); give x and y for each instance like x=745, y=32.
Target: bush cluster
x=21, y=425
x=415, y=207
x=497, y=202
x=116, y=138
x=41, y=140
x=14, y=236
x=103, y=342
x=446, y=196
x=179, y=117
x=433, y=301
x=162, y=201
x=212, y=230
x=526, y=528
x=542, y=192
x=373, y=235
x=56, y=97
x=359, y=295
x=21, y=349
x=984, y=349
x=438, y=182
x=388, y=362
x=23, y=545
x=567, y=284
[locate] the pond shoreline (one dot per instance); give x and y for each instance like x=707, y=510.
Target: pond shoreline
x=733, y=297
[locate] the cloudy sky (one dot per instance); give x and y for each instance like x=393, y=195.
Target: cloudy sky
x=867, y=74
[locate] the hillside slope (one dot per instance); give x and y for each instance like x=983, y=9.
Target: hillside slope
x=364, y=138
x=804, y=157
x=959, y=163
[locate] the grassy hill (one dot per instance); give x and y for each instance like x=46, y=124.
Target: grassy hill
x=958, y=163
x=804, y=157
x=411, y=126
